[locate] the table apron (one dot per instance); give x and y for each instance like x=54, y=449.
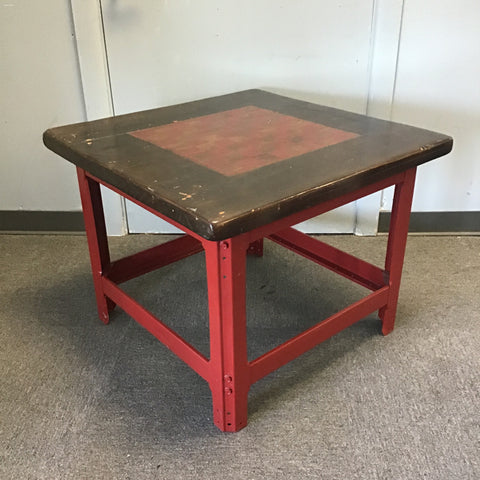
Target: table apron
x=279, y=224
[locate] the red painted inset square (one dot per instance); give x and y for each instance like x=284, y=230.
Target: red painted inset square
x=244, y=139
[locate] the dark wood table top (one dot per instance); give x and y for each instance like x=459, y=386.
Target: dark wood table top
x=228, y=164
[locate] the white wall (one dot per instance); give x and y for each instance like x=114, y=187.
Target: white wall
x=161, y=53
x=39, y=88
x=438, y=87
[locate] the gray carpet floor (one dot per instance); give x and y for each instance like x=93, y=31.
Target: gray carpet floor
x=81, y=400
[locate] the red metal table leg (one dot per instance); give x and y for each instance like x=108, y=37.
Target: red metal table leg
x=397, y=241
x=256, y=248
x=229, y=376
x=228, y=371
x=97, y=239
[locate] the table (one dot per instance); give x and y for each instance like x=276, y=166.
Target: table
x=230, y=171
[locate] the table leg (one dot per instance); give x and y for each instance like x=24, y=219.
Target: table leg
x=97, y=239
x=256, y=248
x=397, y=240
x=229, y=377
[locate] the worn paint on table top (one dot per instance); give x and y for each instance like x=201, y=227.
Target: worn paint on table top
x=225, y=165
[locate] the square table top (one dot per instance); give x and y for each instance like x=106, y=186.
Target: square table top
x=228, y=164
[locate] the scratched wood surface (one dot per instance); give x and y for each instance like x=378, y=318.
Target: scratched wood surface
x=228, y=164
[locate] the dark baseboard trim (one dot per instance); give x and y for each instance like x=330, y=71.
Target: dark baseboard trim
x=436, y=222
x=41, y=221
x=420, y=222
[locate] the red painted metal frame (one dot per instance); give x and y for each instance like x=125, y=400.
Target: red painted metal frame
x=256, y=248
x=320, y=332
x=166, y=335
x=228, y=371
x=397, y=242
x=350, y=267
x=97, y=239
x=229, y=383
x=149, y=260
